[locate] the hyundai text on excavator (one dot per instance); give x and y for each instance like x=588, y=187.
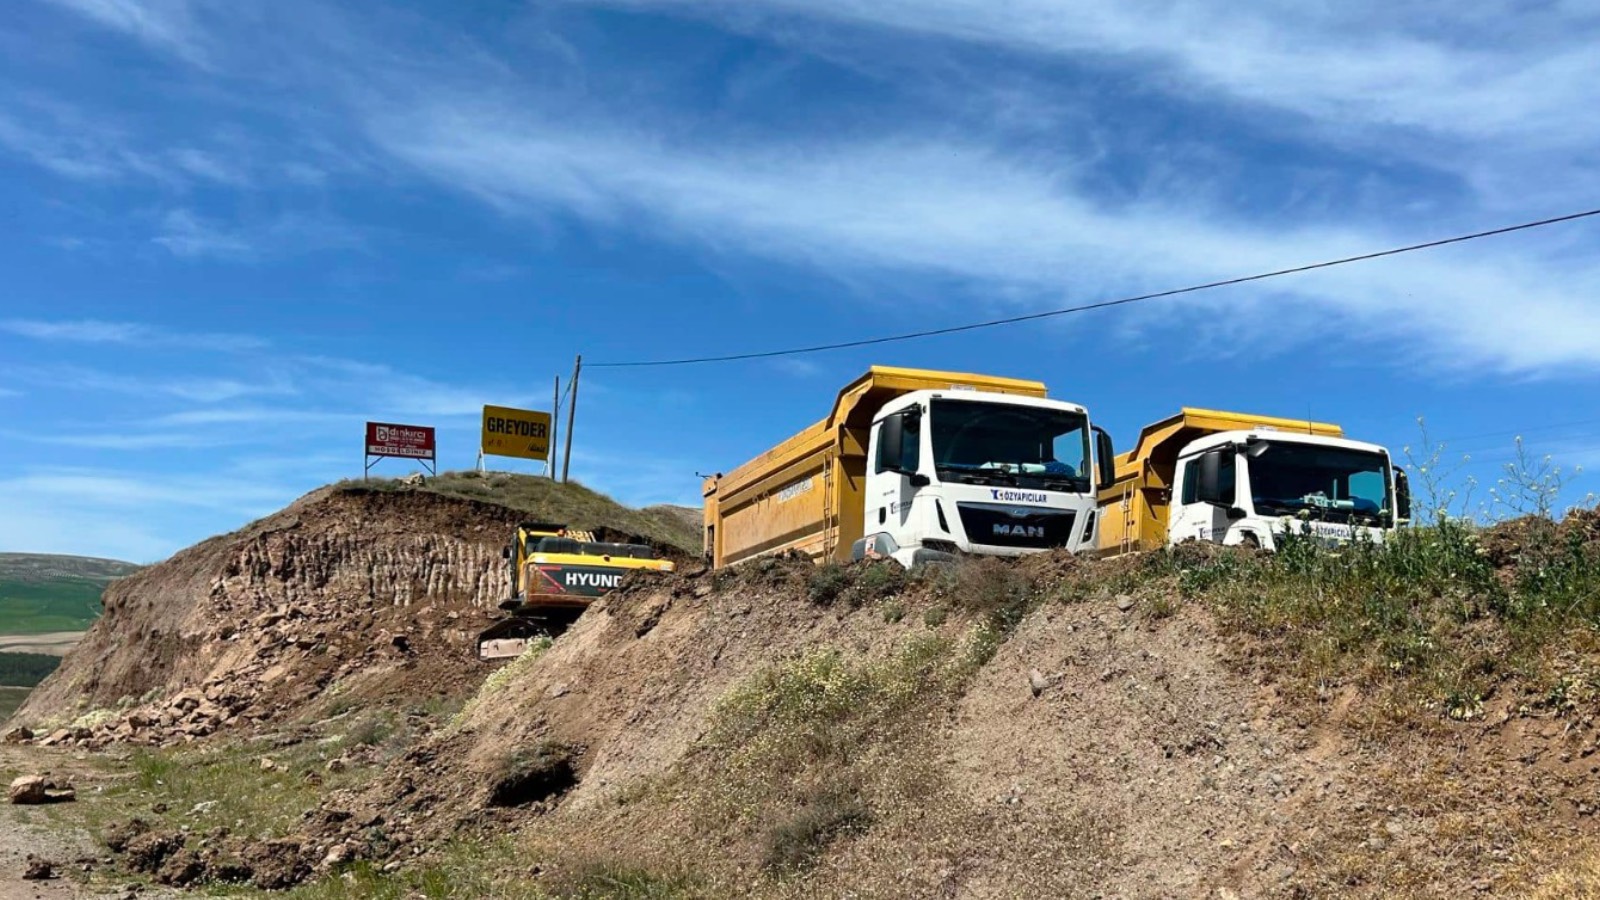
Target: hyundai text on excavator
x=556, y=572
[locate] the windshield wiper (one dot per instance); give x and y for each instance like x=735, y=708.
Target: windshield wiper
x=975, y=474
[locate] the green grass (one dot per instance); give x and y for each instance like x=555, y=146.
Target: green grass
x=544, y=500
x=1427, y=616
x=10, y=699
x=64, y=604
x=41, y=593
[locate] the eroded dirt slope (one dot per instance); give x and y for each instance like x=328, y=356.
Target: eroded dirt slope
x=375, y=594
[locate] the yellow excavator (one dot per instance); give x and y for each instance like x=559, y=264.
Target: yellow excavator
x=556, y=572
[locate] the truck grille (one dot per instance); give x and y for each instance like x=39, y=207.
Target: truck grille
x=1011, y=526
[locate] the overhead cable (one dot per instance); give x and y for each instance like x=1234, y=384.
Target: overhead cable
x=1104, y=304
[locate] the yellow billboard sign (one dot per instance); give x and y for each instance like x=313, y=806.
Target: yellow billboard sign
x=522, y=433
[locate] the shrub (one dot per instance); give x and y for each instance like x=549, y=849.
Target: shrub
x=827, y=583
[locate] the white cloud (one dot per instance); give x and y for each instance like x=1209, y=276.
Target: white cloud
x=43, y=525
x=1496, y=67
x=133, y=334
x=186, y=235
x=197, y=389
x=190, y=236
x=167, y=24
x=972, y=212
x=62, y=509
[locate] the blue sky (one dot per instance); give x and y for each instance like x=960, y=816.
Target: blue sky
x=237, y=230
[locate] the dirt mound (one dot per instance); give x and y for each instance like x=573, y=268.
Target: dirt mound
x=348, y=596
x=1044, y=727
x=1535, y=539
x=1098, y=749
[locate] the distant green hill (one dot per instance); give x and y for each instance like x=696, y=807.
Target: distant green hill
x=41, y=593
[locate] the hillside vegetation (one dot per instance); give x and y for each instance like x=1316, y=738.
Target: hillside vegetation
x=42, y=593
x=1409, y=720
x=571, y=503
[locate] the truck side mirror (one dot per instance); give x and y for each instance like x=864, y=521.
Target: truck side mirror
x=1208, y=487
x=1402, y=495
x=1104, y=457
x=891, y=443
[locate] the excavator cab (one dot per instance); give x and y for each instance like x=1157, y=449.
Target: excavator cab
x=556, y=572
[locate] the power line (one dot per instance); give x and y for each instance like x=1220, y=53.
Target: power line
x=1104, y=304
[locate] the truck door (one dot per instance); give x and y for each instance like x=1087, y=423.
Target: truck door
x=894, y=481
x=1208, y=485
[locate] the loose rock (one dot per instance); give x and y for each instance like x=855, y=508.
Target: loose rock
x=1037, y=682
x=35, y=789
x=38, y=869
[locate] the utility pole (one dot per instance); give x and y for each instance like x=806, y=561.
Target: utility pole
x=572, y=411
x=555, y=426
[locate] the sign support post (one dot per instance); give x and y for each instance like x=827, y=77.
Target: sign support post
x=555, y=422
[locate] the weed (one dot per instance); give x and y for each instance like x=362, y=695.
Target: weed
x=893, y=611
x=827, y=583
x=877, y=581
x=623, y=881
x=795, y=841
x=1164, y=606
x=934, y=616
x=370, y=730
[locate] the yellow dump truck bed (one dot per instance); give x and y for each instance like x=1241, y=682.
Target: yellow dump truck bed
x=1133, y=510
x=806, y=492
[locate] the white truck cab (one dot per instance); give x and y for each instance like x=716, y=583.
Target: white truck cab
x=981, y=473
x=1251, y=486
x=1243, y=478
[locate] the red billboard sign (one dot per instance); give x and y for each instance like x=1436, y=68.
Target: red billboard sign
x=405, y=441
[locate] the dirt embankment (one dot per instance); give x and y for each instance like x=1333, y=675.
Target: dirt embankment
x=372, y=596
x=1043, y=727
x=736, y=734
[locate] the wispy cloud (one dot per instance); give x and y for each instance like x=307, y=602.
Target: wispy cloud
x=190, y=236
x=133, y=334
x=796, y=367
x=167, y=24
x=1483, y=73
x=117, y=489
x=973, y=212
x=186, y=235
x=100, y=146
x=1033, y=230
x=196, y=389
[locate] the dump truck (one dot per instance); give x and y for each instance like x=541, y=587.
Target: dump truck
x=917, y=465
x=556, y=572
x=1236, y=478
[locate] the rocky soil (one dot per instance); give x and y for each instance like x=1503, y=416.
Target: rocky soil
x=366, y=596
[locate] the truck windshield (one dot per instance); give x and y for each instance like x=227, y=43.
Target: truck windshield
x=1331, y=483
x=983, y=442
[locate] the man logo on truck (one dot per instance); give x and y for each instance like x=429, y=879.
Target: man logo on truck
x=1032, y=531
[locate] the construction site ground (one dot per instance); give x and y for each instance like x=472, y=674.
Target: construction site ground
x=296, y=707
